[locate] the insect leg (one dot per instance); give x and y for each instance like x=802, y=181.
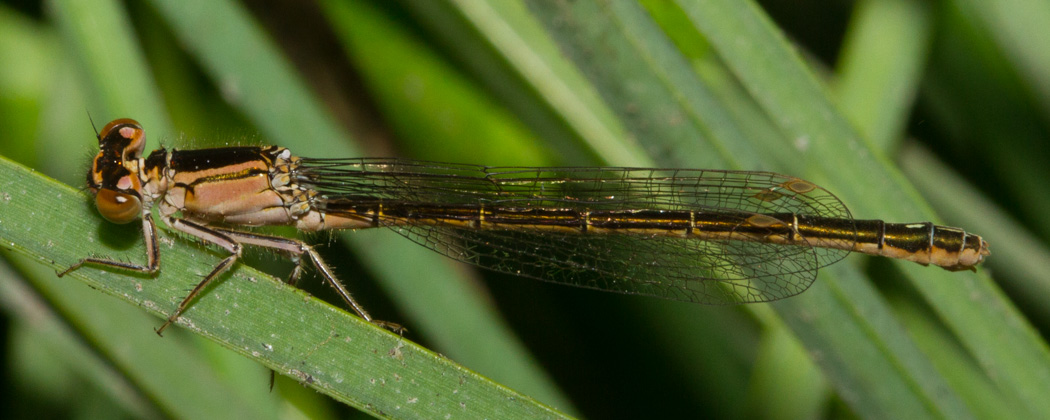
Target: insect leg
x=149, y=235
x=209, y=235
x=298, y=249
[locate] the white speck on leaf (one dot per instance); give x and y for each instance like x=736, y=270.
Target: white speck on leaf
x=802, y=143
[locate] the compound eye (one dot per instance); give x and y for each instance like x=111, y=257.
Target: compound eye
x=117, y=207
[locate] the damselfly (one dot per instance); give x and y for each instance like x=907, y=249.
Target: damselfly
x=705, y=236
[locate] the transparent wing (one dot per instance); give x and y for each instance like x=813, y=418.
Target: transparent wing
x=679, y=268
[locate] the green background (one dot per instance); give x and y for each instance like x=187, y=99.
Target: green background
x=907, y=110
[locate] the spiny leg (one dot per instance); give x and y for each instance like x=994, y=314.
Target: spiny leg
x=297, y=249
x=209, y=235
x=149, y=236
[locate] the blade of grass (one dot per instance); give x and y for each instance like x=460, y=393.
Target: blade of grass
x=1020, y=257
x=506, y=34
x=430, y=104
x=973, y=310
x=99, y=28
x=154, y=367
x=883, y=104
x=49, y=352
x=879, y=71
x=919, y=386
x=1017, y=27
x=956, y=364
x=33, y=48
x=783, y=365
x=973, y=93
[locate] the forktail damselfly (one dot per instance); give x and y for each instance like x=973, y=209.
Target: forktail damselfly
x=704, y=236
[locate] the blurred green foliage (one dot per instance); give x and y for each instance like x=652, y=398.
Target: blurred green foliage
x=908, y=110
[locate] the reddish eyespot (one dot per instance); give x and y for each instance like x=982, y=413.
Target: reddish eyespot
x=126, y=132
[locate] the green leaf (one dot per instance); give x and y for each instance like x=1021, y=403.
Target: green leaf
x=881, y=65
